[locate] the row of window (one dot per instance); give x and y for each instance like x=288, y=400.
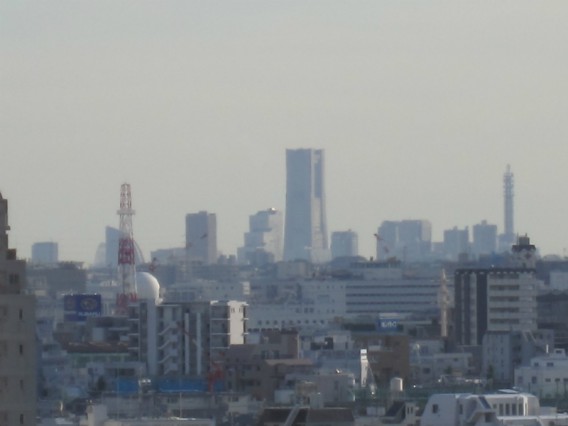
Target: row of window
x=291, y=322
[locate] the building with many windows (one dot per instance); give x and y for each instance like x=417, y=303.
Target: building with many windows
x=17, y=336
x=184, y=338
x=497, y=299
x=546, y=376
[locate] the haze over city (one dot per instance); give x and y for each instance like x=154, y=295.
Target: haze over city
x=418, y=106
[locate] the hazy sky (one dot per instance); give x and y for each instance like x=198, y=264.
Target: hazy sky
x=419, y=105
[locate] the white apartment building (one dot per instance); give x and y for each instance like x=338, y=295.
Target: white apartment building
x=185, y=338
x=546, y=376
x=511, y=301
x=303, y=304
x=436, y=367
x=382, y=288
x=372, y=290
x=204, y=290
x=494, y=300
x=505, y=350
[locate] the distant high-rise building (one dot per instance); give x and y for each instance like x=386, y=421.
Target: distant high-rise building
x=263, y=241
x=484, y=238
x=408, y=240
x=344, y=244
x=387, y=239
x=201, y=237
x=415, y=236
x=17, y=336
x=507, y=239
x=306, y=226
x=456, y=242
x=45, y=253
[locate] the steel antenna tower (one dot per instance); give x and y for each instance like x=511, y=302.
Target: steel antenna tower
x=126, y=253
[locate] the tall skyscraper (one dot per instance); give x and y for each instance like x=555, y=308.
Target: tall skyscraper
x=263, y=241
x=305, y=234
x=17, y=336
x=201, y=237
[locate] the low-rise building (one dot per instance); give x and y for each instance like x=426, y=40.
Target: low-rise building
x=546, y=376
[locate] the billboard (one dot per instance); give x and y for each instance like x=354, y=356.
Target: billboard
x=387, y=323
x=79, y=307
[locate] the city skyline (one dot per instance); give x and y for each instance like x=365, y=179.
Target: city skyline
x=418, y=107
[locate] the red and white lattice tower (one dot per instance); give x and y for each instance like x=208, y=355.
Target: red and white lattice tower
x=126, y=253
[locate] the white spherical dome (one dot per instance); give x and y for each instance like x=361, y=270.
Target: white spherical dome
x=147, y=286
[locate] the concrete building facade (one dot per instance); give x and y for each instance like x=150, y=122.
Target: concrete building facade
x=263, y=243
x=201, y=237
x=498, y=299
x=185, y=339
x=484, y=238
x=407, y=240
x=17, y=336
x=45, y=253
x=344, y=244
x=305, y=234
x=456, y=242
x=546, y=376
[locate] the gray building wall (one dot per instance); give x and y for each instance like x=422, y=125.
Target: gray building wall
x=201, y=237
x=17, y=336
x=344, y=244
x=306, y=224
